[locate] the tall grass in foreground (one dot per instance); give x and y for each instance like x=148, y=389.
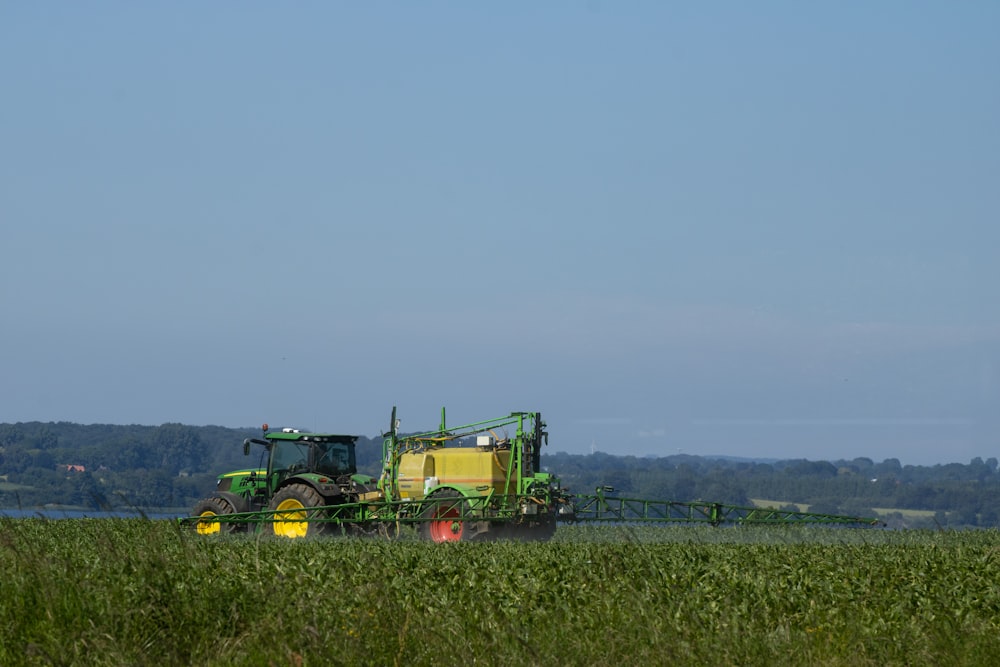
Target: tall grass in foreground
x=140, y=592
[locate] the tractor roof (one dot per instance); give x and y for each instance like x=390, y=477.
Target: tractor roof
x=290, y=434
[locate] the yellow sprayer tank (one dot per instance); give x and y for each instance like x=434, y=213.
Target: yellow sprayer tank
x=461, y=467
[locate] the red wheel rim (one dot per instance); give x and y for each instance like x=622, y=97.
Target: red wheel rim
x=446, y=531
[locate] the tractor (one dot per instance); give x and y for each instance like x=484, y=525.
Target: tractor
x=304, y=471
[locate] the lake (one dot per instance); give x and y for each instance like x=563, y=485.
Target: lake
x=61, y=513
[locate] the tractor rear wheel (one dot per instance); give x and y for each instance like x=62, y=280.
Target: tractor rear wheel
x=210, y=508
x=446, y=522
x=294, y=516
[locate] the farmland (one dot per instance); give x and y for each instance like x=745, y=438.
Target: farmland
x=142, y=592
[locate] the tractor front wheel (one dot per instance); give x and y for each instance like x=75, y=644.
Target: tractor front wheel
x=294, y=516
x=207, y=510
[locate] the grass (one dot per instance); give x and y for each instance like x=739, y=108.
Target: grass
x=142, y=592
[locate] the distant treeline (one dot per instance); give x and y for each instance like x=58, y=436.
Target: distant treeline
x=105, y=466
x=952, y=494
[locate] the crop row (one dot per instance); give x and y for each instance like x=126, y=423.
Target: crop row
x=138, y=592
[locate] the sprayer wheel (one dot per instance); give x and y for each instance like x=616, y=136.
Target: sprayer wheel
x=448, y=525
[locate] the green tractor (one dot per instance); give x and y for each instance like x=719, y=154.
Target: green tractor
x=305, y=471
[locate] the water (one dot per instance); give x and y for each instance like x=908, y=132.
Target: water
x=59, y=513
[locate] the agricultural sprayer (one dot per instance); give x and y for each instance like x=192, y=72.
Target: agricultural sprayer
x=471, y=482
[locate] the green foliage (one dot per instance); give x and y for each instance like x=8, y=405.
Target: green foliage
x=138, y=592
x=966, y=494
x=125, y=467
x=173, y=465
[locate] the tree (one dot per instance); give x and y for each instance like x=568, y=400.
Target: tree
x=179, y=448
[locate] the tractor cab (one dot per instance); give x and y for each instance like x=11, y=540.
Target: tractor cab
x=295, y=453
x=292, y=452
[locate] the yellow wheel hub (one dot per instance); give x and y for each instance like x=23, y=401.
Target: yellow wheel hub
x=290, y=519
x=208, y=527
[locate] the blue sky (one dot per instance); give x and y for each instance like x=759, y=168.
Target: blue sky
x=762, y=230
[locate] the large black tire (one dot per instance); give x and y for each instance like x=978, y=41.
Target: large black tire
x=294, y=517
x=449, y=525
x=213, y=507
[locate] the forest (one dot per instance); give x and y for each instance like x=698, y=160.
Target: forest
x=132, y=467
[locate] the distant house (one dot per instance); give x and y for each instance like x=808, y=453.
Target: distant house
x=75, y=468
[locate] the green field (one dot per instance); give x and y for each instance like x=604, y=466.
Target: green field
x=880, y=511
x=760, y=502
x=910, y=514
x=6, y=486
x=140, y=592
